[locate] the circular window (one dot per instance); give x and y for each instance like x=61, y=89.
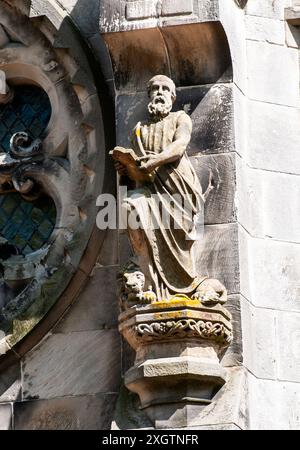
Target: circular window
x=23, y=224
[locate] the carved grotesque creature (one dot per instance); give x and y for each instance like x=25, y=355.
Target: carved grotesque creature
x=134, y=283
x=211, y=292
x=132, y=288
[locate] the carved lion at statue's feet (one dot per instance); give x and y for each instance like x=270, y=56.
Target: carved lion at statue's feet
x=211, y=292
x=132, y=288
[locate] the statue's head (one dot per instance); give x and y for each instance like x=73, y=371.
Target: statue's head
x=162, y=94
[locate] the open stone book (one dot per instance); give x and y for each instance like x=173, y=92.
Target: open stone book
x=128, y=158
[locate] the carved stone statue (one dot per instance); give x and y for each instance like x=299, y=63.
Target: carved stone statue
x=165, y=185
x=172, y=316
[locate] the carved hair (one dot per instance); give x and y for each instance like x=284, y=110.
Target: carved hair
x=166, y=80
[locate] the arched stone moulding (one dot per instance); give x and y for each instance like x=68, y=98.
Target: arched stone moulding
x=69, y=169
x=192, y=55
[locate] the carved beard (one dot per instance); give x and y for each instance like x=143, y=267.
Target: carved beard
x=159, y=108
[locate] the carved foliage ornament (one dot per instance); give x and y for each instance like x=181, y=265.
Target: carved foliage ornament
x=57, y=168
x=185, y=328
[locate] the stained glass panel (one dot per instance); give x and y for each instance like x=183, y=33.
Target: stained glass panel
x=24, y=224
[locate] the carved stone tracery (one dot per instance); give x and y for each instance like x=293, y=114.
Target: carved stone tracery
x=59, y=165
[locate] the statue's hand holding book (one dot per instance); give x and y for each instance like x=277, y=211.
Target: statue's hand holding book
x=128, y=163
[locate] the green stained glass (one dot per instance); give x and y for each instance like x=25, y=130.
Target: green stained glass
x=24, y=224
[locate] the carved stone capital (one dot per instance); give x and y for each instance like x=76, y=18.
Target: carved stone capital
x=178, y=319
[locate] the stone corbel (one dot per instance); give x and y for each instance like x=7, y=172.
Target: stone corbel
x=178, y=343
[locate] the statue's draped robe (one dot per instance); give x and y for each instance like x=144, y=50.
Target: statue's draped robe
x=172, y=249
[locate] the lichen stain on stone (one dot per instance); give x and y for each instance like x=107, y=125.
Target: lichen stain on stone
x=176, y=301
x=173, y=315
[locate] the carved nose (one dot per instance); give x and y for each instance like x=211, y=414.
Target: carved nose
x=127, y=281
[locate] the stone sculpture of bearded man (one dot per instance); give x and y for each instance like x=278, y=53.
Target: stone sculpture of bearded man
x=166, y=185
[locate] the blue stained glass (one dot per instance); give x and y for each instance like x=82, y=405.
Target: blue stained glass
x=24, y=224
x=30, y=111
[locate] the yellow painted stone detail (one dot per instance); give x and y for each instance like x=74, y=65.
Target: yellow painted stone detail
x=177, y=300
